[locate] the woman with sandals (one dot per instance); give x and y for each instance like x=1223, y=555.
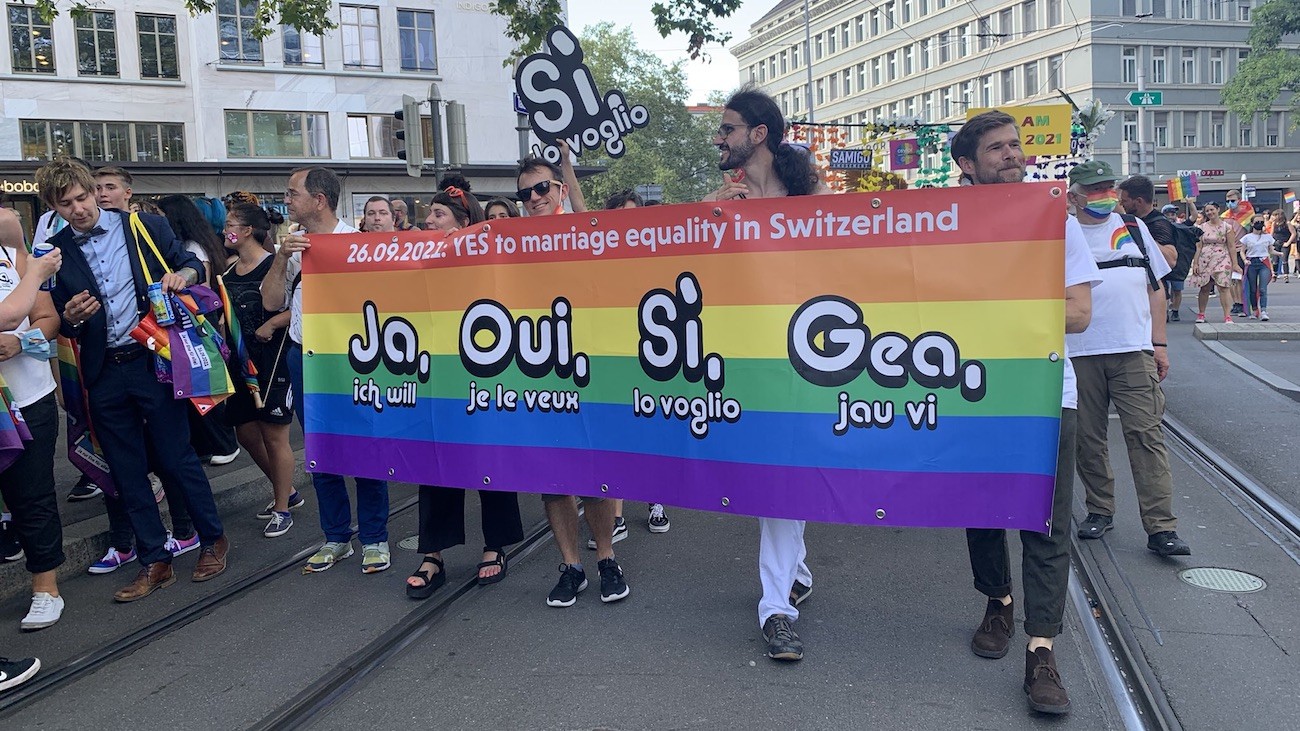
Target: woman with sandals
x=261, y=420
x=442, y=509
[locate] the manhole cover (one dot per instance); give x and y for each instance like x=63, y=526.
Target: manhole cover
x=1226, y=580
x=410, y=543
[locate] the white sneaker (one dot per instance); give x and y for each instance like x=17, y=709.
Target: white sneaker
x=220, y=459
x=46, y=610
x=1263, y=315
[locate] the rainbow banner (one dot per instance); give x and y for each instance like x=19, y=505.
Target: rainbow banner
x=1290, y=200
x=13, y=430
x=882, y=359
x=1183, y=187
x=1241, y=214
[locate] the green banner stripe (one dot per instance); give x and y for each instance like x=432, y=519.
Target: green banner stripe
x=759, y=384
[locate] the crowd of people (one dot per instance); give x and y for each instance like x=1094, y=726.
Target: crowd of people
x=1120, y=267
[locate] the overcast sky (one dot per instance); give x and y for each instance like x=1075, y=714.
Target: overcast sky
x=721, y=74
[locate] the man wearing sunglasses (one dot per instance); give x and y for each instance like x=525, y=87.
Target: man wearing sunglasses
x=542, y=191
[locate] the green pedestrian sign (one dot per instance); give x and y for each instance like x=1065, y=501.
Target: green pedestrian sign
x=1146, y=98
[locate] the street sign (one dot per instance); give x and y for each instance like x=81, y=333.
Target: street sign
x=519, y=105
x=1250, y=191
x=850, y=159
x=1146, y=98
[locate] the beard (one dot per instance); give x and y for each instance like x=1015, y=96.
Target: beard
x=735, y=156
x=990, y=176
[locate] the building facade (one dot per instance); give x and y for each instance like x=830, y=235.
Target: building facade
x=934, y=59
x=199, y=105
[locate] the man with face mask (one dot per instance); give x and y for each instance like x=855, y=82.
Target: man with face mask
x=1121, y=358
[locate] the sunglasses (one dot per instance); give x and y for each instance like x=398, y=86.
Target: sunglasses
x=525, y=194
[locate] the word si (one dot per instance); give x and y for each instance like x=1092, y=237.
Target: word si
x=672, y=336
x=538, y=348
x=563, y=103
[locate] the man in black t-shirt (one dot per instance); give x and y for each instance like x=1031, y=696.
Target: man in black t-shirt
x=1135, y=196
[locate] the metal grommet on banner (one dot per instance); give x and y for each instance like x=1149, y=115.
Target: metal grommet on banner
x=880, y=513
x=875, y=202
x=1056, y=192
x=391, y=472
x=717, y=211
x=604, y=488
x=594, y=222
x=180, y=393
x=487, y=227
x=311, y=353
x=312, y=463
x=726, y=502
x=1054, y=357
x=487, y=480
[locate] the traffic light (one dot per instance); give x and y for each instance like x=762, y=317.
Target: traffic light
x=413, y=153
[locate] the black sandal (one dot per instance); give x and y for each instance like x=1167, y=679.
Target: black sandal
x=431, y=580
x=500, y=560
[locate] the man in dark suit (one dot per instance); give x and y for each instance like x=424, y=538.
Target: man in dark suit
x=101, y=295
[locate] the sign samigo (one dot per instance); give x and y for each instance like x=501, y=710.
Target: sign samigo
x=850, y=160
x=1044, y=128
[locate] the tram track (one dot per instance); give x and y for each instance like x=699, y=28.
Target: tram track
x=86, y=663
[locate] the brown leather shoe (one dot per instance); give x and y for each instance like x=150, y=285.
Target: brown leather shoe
x=993, y=637
x=212, y=560
x=151, y=578
x=1043, y=683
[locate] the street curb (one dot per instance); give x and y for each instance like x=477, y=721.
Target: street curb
x=1254, y=370
x=84, y=542
x=1206, y=331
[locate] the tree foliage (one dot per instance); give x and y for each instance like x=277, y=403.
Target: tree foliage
x=1269, y=71
x=676, y=149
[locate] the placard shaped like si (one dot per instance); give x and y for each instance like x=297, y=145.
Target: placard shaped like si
x=563, y=102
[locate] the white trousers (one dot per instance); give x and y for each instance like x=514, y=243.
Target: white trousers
x=781, y=556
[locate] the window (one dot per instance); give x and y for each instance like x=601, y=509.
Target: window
x=846, y=81
x=907, y=11
x=875, y=71
x=1243, y=12
x=1216, y=10
x=1216, y=66
x=1189, y=65
x=925, y=53
x=794, y=56
x=862, y=76
x=360, y=29
x=372, y=136
x=1008, y=85
x=944, y=51
x=821, y=91
x=1053, y=13
x=1128, y=8
x=157, y=34
x=1129, y=65
x=923, y=8
x=1191, y=128
x=103, y=141
x=302, y=49
x=32, y=44
x=1006, y=25
x=818, y=48
x=1159, y=67
x=890, y=16
x=830, y=41
x=908, y=53
x=892, y=64
x=1246, y=133
x=1031, y=79
x=762, y=73
x=967, y=96
x=1159, y=9
x=1161, y=127
x=985, y=33
x=1029, y=17
x=963, y=40
x=785, y=62
x=1056, y=72
x=1187, y=9
x=986, y=91
x=1272, y=129
x=875, y=23
x=96, y=43
x=860, y=28
x=236, y=20
x=835, y=88
x=276, y=134
x=945, y=104
x=785, y=103
x=1242, y=55
x=1217, y=137
x=798, y=97
x=1130, y=126
x=844, y=34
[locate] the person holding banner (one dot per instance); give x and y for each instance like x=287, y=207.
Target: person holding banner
x=987, y=149
x=102, y=296
x=442, y=509
x=756, y=163
x=312, y=197
x=542, y=191
x=261, y=419
x=27, y=478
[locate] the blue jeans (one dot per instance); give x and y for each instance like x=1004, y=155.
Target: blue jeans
x=332, y=491
x=1258, y=274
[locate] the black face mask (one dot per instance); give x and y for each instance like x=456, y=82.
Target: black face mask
x=1259, y=225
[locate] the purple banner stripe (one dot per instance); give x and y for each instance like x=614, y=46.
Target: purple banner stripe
x=941, y=500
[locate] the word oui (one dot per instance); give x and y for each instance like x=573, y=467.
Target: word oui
x=847, y=348
x=508, y=400
x=672, y=336
x=538, y=347
x=371, y=394
x=395, y=344
x=861, y=414
x=699, y=410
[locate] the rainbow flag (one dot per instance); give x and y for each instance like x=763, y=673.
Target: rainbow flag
x=557, y=359
x=201, y=375
x=1290, y=200
x=1241, y=214
x=13, y=430
x=84, y=451
x=1183, y=187
x=1119, y=237
x=239, y=348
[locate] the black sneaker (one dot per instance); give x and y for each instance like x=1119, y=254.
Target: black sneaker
x=84, y=490
x=612, y=584
x=658, y=521
x=1174, y=316
x=782, y=642
x=10, y=548
x=571, y=582
x=14, y=673
x=295, y=502
x=620, y=532
x=1167, y=543
x=1095, y=526
x=799, y=592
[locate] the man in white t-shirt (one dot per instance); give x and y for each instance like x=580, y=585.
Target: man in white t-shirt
x=313, y=198
x=987, y=149
x=1121, y=358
